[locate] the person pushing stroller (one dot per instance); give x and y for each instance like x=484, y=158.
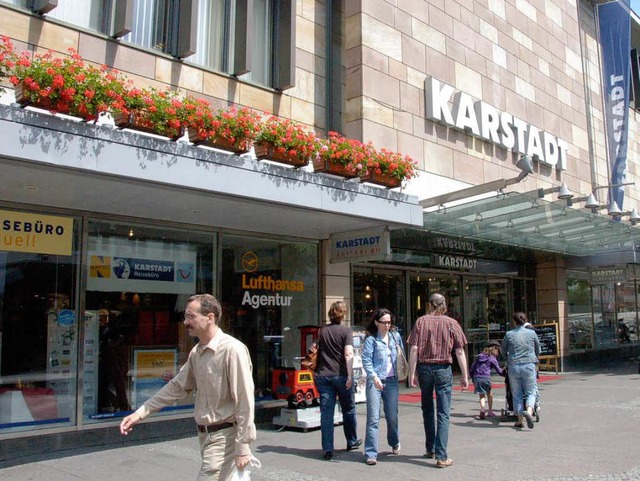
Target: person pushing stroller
x=521, y=349
x=480, y=372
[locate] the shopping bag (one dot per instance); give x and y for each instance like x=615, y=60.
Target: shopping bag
x=245, y=474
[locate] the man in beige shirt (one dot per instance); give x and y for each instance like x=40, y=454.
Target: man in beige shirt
x=219, y=369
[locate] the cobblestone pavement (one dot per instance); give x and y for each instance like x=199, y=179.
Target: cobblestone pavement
x=588, y=431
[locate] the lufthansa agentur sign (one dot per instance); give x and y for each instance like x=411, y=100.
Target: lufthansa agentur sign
x=360, y=246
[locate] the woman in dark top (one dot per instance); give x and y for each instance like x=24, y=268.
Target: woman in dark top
x=334, y=377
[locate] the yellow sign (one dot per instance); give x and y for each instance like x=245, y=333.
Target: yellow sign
x=154, y=363
x=100, y=266
x=36, y=233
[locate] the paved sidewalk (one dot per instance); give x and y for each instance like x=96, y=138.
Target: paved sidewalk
x=588, y=431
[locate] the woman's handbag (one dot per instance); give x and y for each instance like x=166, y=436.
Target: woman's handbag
x=402, y=366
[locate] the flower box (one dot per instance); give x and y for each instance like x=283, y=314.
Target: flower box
x=329, y=166
x=241, y=146
x=266, y=150
x=24, y=101
x=138, y=121
x=382, y=179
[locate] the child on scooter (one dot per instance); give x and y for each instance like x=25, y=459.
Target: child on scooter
x=480, y=372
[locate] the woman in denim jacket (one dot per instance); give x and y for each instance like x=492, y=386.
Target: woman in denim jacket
x=379, y=360
x=521, y=348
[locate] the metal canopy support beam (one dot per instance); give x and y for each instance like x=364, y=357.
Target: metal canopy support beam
x=468, y=192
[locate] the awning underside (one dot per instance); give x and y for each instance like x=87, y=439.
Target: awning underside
x=524, y=220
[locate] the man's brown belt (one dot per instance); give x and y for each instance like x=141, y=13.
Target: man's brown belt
x=212, y=428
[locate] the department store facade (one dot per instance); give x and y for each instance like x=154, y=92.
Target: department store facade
x=91, y=315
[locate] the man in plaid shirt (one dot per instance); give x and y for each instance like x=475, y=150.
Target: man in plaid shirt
x=432, y=339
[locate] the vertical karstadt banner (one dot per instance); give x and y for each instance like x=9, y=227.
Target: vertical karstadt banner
x=614, y=27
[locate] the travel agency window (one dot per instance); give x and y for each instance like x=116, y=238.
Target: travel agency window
x=138, y=281
x=38, y=320
x=250, y=40
x=269, y=291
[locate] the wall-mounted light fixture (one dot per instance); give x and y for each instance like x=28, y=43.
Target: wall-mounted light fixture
x=591, y=201
x=615, y=212
x=564, y=193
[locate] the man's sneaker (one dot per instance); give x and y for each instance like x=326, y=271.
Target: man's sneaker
x=396, y=449
x=430, y=455
x=372, y=461
x=355, y=445
x=444, y=463
x=529, y=419
x=328, y=456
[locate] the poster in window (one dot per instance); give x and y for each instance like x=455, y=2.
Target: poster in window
x=152, y=369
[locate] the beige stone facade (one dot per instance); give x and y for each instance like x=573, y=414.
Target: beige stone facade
x=538, y=60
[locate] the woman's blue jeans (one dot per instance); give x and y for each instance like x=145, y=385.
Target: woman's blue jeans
x=389, y=397
x=522, y=378
x=329, y=387
x=438, y=378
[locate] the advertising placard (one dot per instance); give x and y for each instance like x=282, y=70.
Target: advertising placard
x=152, y=369
x=143, y=266
x=36, y=233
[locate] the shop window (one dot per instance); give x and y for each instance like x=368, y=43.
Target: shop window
x=269, y=293
x=579, y=316
x=38, y=321
x=138, y=281
x=627, y=314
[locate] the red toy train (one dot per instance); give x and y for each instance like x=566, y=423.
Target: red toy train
x=297, y=385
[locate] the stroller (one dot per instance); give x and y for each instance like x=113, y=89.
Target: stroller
x=507, y=414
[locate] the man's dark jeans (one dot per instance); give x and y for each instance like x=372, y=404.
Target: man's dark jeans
x=438, y=378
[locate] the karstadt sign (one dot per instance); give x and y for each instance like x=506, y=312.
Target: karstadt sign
x=460, y=111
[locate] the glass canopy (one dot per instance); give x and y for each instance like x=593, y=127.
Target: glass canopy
x=524, y=220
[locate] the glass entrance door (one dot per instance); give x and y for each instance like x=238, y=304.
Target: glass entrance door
x=486, y=311
x=374, y=288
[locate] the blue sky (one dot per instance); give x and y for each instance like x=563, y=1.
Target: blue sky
x=635, y=6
